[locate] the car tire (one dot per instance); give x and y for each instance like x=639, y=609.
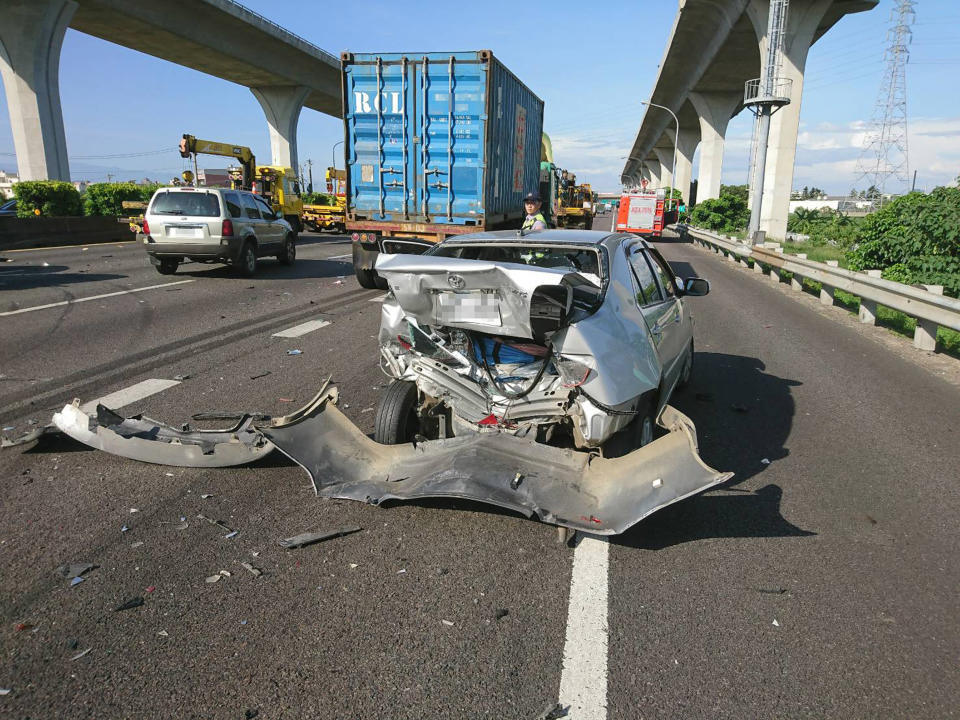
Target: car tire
x=397, y=422
x=366, y=278
x=686, y=372
x=288, y=254
x=247, y=260
x=639, y=432
x=167, y=266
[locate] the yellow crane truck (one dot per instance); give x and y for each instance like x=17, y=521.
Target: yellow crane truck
x=278, y=185
x=334, y=216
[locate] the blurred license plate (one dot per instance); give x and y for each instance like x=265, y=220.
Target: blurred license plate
x=182, y=232
x=476, y=308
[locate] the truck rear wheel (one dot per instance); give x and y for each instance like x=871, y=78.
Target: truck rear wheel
x=366, y=278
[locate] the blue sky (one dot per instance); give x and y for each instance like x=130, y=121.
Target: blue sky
x=592, y=65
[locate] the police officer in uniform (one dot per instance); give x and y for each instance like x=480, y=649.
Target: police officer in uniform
x=534, y=219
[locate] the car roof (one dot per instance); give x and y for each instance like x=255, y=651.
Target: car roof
x=554, y=236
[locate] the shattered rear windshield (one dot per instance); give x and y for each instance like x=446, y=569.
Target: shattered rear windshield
x=186, y=203
x=583, y=260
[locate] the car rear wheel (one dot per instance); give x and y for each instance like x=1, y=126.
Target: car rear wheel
x=288, y=254
x=247, y=262
x=397, y=422
x=366, y=278
x=167, y=266
x=639, y=432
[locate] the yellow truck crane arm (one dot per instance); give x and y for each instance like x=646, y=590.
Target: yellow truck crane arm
x=189, y=144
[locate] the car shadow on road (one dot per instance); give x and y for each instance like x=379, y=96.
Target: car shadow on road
x=743, y=417
x=26, y=277
x=269, y=269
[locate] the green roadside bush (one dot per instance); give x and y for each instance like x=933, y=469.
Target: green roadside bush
x=727, y=213
x=914, y=239
x=106, y=199
x=825, y=226
x=316, y=198
x=46, y=198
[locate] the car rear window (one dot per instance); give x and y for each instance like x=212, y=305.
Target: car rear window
x=575, y=259
x=186, y=203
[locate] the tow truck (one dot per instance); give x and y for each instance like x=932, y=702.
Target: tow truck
x=278, y=185
x=329, y=217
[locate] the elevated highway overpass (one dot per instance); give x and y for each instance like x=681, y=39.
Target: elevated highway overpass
x=714, y=48
x=217, y=37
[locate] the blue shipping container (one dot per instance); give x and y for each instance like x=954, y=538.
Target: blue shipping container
x=437, y=139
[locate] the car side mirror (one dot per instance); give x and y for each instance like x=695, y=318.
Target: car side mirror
x=696, y=286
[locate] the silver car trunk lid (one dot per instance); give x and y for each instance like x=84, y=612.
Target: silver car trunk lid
x=479, y=295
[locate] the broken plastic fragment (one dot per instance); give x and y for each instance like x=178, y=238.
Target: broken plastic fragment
x=232, y=533
x=133, y=602
x=163, y=633
x=294, y=352
x=207, y=495
x=76, y=581
x=447, y=623
x=255, y=571
x=124, y=529
x=765, y=461
x=81, y=654
x=73, y=570
x=309, y=538
x=214, y=578
x=776, y=624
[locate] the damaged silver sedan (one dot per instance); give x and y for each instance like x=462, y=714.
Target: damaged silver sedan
x=532, y=372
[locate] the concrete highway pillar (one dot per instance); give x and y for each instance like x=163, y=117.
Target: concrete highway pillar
x=802, y=21
x=689, y=139
x=31, y=36
x=653, y=173
x=665, y=156
x=715, y=110
x=282, y=105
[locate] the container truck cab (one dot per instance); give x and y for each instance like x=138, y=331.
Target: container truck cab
x=436, y=144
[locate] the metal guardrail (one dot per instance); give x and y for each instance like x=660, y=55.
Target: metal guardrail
x=926, y=303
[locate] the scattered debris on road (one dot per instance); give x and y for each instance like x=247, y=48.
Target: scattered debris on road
x=256, y=572
x=775, y=623
x=765, y=461
x=553, y=711
x=81, y=654
x=260, y=375
x=130, y=604
x=309, y=538
x=447, y=623
x=294, y=352
x=74, y=570
x=501, y=613
x=181, y=378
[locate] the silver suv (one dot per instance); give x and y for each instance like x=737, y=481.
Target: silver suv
x=215, y=225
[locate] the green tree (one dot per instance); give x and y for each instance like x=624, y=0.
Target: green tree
x=915, y=238
x=106, y=199
x=728, y=213
x=740, y=191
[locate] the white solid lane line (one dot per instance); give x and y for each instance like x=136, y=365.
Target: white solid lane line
x=92, y=297
x=302, y=329
x=130, y=394
x=583, y=683
x=340, y=257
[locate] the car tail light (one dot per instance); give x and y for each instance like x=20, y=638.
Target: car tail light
x=404, y=342
x=355, y=237
x=226, y=230
x=572, y=373
x=146, y=227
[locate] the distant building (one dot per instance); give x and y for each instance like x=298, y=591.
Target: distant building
x=213, y=177
x=842, y=203
x=7, y=181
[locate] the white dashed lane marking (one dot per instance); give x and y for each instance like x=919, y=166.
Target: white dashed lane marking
x=129, y=395
x=302, y=329
x=340, y=257
x=92, y=297
x=583, y=682
x=379, y=298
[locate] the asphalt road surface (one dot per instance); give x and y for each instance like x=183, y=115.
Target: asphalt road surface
x=819, y=582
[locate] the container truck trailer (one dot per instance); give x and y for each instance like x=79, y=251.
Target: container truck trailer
x=436, y=144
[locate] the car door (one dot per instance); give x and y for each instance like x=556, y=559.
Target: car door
x=252, y=219
x=274, y=229
x=677, y=329
x=659, y=310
